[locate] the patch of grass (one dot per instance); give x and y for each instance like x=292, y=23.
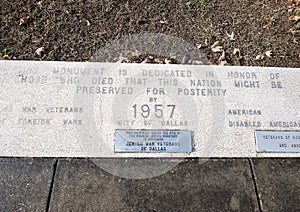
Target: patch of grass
x=204, y=4
x=236, y=63
x=194, y=5
x=127, y=6
x=6, y=18
x=268, y=42
x=188, y=4
x=6, y=54
x=240, y=21
x=212, y=31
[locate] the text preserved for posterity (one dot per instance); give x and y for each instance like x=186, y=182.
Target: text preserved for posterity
x=62, y=109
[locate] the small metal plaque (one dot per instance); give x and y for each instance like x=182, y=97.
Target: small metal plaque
x=153, y=141
x=277, y=141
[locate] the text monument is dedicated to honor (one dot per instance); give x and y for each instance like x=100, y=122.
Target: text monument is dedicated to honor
x=61, y=109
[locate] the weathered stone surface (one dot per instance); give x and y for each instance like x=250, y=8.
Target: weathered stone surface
x=70, y=109
x=216, y=185
x=278, y=182
x=25, y=183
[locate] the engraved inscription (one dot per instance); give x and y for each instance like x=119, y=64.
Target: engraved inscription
x=278, y=141
x=62, y=106
x=153, y=141
x=244, y=79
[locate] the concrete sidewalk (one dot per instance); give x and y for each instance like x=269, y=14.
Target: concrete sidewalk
x=52, y=184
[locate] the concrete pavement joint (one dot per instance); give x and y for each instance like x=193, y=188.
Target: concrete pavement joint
x=51, y=185
x=255, y=185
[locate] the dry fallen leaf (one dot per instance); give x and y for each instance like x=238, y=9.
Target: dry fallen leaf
x=237, y=52
x=163, y=22
x=294, y=31
x=122, y=59
x=293, y=1
x=216, y=48
x=135, y=53
x=197, y=62
x=157, y=60
x=269, y=53
x=39, y=52
x=167, y=61
x=24, y=20
x=222, y=57
x=294, y=18
x=215, y=44
x=199, y=46
x=231, y=36
x=147, y=61
x=6, y=57
x=206, y=41
x=222, y=63
x=85, y=22
x=259, y=57
x=267, y=26
x=40, y=4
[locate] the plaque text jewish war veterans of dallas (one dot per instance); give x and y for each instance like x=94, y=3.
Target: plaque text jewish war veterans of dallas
x=62, y=109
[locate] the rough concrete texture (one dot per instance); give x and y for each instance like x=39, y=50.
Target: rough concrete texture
x=25, y=183
x=216, y=185
x=278, y=183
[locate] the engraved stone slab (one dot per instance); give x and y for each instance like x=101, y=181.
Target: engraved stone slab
x=153, y=141
x=275, y=141
x=62, y=109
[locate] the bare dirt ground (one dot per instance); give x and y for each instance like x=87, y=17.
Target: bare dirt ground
x=260, y=32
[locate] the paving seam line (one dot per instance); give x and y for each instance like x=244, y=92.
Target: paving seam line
x=255, y=184
x=51, y=185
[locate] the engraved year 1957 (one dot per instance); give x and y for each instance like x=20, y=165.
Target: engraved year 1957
x=158, y=110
